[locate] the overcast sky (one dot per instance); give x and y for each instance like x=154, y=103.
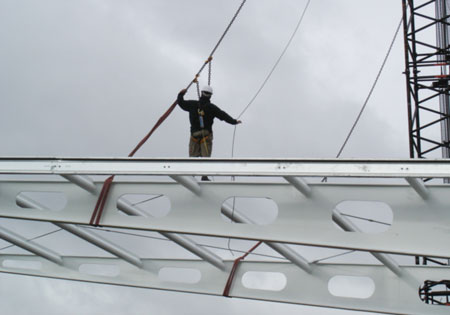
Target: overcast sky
x=89, y=78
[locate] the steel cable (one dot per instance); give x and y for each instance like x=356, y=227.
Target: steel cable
x=272, y=70
x=371, y=90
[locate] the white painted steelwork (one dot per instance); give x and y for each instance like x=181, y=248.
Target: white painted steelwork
x=88, y=236
x=305, y=218
x=283, y=249
x=228, y=167
x=348, y=226
x=189, y=182
x=300, y=220
x=391, y=294
x=30, y=246
x=300, y=184
x=83, y=181
x=182, y=240
x=419, y=187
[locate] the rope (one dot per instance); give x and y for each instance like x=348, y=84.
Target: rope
x=283, y=52
x=286, y=47
x=227, y=29
x=226, y=290
x=97, y=213
x=370, y=93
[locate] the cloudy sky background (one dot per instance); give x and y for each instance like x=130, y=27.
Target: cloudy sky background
x=89, y=78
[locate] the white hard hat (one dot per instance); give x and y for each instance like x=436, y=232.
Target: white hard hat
x=207, y=89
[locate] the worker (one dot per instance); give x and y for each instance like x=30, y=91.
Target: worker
x=201, y=117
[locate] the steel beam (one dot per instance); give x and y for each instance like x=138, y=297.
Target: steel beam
x=384, y=291
x=229, y=167
x=300, y=220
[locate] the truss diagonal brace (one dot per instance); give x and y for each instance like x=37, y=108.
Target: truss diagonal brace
x=86, y=235
x=182, y=240
x=30, y=246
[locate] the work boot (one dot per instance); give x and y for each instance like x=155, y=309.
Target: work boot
x=205, y=179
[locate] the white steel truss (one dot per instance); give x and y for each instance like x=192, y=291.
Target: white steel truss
x=307, y=214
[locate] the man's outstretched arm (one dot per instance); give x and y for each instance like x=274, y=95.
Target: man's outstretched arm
x=180, y=100
x=224, y=116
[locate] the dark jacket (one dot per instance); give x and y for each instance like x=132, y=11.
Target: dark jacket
x=210, y=110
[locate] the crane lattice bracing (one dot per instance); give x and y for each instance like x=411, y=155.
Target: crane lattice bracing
x=426, y=30
x=308, y=214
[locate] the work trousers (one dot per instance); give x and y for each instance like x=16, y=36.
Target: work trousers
x=200, y=144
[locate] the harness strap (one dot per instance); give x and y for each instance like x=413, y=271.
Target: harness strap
x=201, y=140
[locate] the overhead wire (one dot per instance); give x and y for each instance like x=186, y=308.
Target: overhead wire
x=371, y=89
x=277, y=62
x=350, y=133
x=261, y=87
x=272, y=70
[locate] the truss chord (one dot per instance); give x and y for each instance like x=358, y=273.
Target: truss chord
x=164, y=239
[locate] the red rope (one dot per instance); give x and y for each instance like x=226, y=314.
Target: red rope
x=158, y=123
x=226, y=291
x=100, y=205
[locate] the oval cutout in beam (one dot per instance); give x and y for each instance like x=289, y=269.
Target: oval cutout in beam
x=42, y=200
x=103, y=270
x=351, y=287
x=261, y=280
x=180, y=275
x=22, y=264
